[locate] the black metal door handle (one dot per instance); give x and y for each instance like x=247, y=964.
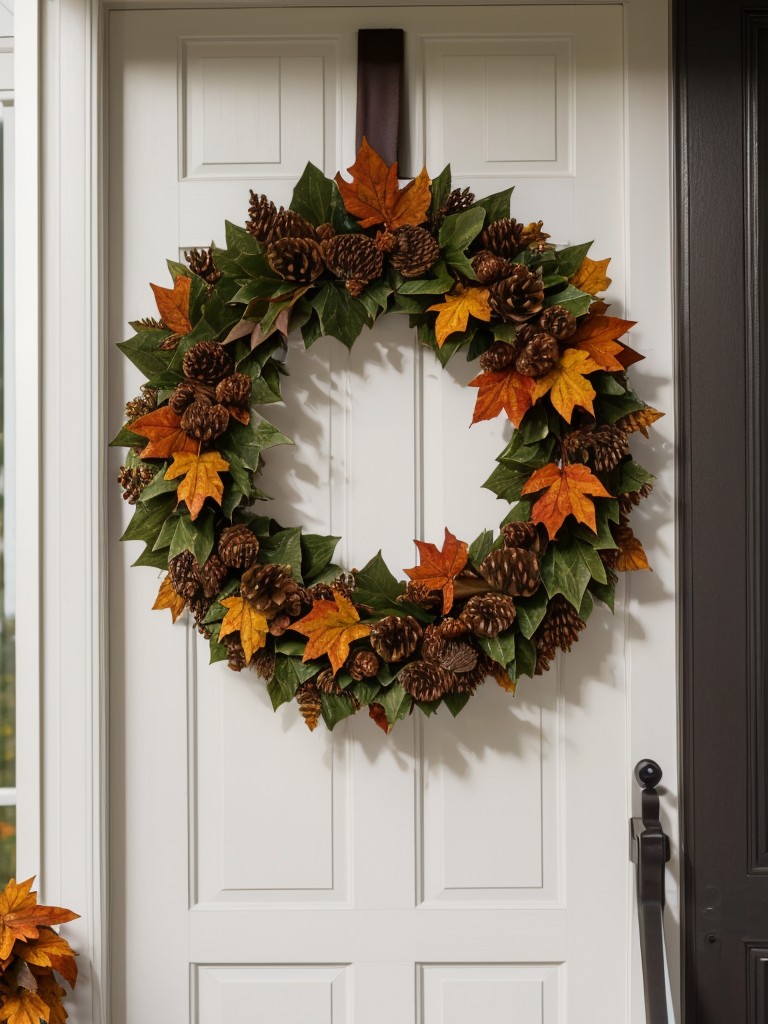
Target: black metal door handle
x=650, y=852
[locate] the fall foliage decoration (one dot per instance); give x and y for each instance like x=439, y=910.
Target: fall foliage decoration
x=31, y=955
x=552, y=362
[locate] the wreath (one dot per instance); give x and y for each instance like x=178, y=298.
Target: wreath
x=469, y=277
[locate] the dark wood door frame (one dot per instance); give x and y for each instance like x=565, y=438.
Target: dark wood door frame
x=721, y=65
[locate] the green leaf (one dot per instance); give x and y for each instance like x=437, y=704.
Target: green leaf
x=366, y=691
x=606, y=512
x=569, y=260
x=375, y=585
x=316, y=552
x=314, y=196
x=567, y=568
x=481, y=547
x=145, y=353
x=606, y=384
x=155, y=559
x=504, y=332
x=496, y=206
x=375, y=298
x=587, y=605
x=339, y=314
x=440, y=189
x=247, y=442
x=521, y=513
x=148, y=519
x=525, y=656
x=238, y=238
x=159, y=485
x=395, y=701
x=458, y=231
x=283, y=548
x=631, y=476
x=501, y=648
x=570, y=298
x=290, y=673
x=609, y=409
x=180, y=533
x=456, y=702
x=335, y=707
x=522, y=455
x=605, y=592
x=530, y=612
x=219, y=652
x=439, y=284
x=125, y=438
x=507, y=481
x=534, y=426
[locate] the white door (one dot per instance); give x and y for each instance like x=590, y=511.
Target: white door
x=457, y=871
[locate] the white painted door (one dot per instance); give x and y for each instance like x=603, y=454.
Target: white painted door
x=457, y=871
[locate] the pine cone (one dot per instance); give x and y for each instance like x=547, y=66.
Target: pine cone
x=559, y=322
x=205, y=421
x=184, y=395
x=289, y=224
x=184, y=574
x=489, y=614
x=261, y=216
x=151, y=323
x=559, y=629
x=519, y=296
x=421, y=595
x=326, y=682
x=207, y=362
x=425, y=680
x=134, y=479
x=414, y=251
x=212, y=574
x=200, y=262
x=200, y=605
x=602, y=448
x=500, y=356
x=539, y=356
x=632, y=499
x=522, y=535
x=271, y=588
x=395, y=637
x=235, y=653
x=324, y=232
x=525, y=333
x=310, y=705
x=280, y=624
x=504, y=237
x=263, y=663
x=468, y=682
x=362, y=665
x=354, y=259
x=533, y=237
x=452, y=655
x=296, y=259
x=238, y=546
x=513, y=571
x=490, y=268
x=456, y=201
x=142, y=404
x=234, y=390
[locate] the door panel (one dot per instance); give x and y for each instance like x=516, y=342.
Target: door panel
x=455, y=870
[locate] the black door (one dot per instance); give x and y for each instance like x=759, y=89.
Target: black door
x=722, y=65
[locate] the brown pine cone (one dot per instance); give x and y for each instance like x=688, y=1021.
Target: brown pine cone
x=395, y=637
x=184, y=395
x=525, y=332
x=632, y=499
x=559, y=322
x=142, y=404
x=205, y=421
x=489, y=267
x=450, y=628
x=207, y=362
x=200, y=262
x=533, y=237
x=238, y=546
x=602, y=448
x=289, y=224
x=151, y=323
x=513, y=571
x=521, y=535
x=235, y=653
x=504, y=237
x=425, y=680
x=310, y=705
x=184, y=574
x=133, y=480
x=362, y=665
x=355, y=259
x=452, y=655
x=517, y=297
x=500, y=356
x=457, y=200
x=280, y=624
x=271, y=588
x=296, y=259
x=263, y=663
x=325, y=231
x=468, y=682
x=559, y=629
x=212, y=574
x=421, y=595
x=261, y=217
x=539, y=356
x=326, y=682
x=489, y=614
x=234, y=390
x=414, y=251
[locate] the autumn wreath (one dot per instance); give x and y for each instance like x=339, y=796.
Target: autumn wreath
x=469, y=277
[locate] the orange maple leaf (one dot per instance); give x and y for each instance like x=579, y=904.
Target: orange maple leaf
x=502, y=677
x=455, y=311
x=598, y=337
x=21, y=916
x=173, y=304
x=168, y=598
x=502, y=390
x=567, y=489
x=379, y=716
x=50, y=950
x=201, y=478
x=330, y=627
x=246, y=620
x=629, y=555
x=373, y=195
x=437, y=569
x=591, y=276
x=51, y=992
x=163, y=428
x=568, y=384
x=25, y=1007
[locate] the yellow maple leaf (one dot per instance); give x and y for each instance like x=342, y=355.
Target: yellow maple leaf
x=201, y=479
x=21, y=916
x=244, y=619
x=630, y=555
x=591, y=276
x=168, y=598
x=455, y=311
x=50, y=950
x=330, y=628
x=567, y=383
x=24, y=1008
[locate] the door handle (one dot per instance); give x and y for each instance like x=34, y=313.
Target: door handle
x=650, y=851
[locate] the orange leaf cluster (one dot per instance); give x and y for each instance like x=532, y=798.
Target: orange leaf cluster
x=502, y=391
x=30, y=951
x=201, y=479
x=173, y=304
x=163, y=428
x=374, y=197
x=455, y=311
x=567, y=493
x=330, y=628
x=438, y=568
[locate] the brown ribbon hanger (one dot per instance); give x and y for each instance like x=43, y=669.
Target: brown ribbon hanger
x=380, y=57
